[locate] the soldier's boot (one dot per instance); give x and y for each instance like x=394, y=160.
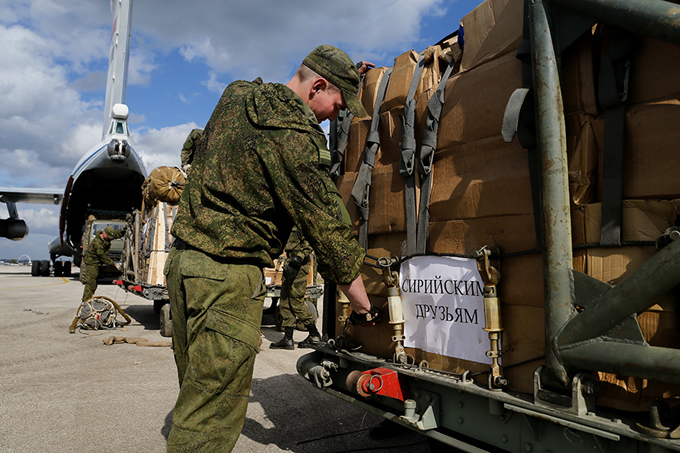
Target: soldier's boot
x=313, y=337
x=286, y=342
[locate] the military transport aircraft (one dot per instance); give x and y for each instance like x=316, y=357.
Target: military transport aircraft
x=106, y=182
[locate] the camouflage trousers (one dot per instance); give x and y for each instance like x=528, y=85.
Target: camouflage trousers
x=216, y=313
x=292, y=302
x=91, y=273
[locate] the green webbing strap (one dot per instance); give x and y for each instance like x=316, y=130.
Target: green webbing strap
x=362, y=185
x=340, y=135
x=408, y=152
x=613, y=93
x=344, y=121
x=427, y=149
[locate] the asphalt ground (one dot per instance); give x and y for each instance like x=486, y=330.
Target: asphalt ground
x=62, y=392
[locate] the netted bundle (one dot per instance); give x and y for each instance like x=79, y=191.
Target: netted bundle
x=163, y=184
x=98, y=313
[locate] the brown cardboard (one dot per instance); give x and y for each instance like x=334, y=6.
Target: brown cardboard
x=643, y=220
x=475, y=101
x=356, y=143
x=578, y=75
x=390, y=132
x=491, y=30
x=654, y=70
x=485, y=178
x=650, y=163
x=369, y=88
x=400, y=80
x=582, y=156
x=386, y=200
x=345, y=183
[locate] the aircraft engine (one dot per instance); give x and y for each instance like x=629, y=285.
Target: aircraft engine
x=14, y=229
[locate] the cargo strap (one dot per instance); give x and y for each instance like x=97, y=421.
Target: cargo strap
x=340, y=135
x=427, y=149
x=408, y=152
x=344, y=121
x=613, y=93
x=362, y=185
x=520, y=119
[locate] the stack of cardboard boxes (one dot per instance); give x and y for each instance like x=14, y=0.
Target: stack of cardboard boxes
x=481, y=193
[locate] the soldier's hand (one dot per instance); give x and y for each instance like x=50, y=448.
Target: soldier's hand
x=371, y=318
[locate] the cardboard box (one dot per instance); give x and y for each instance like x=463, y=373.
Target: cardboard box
x=345, y=183
x=653, y=70
x=578, y=75
x=650, y=163
x=390, y=132
x=369, y=88
x=356, y=144
x=491, y=30
x=386, y=213
x=475, y=101
x=485, y=178
x=400, y=80
x=582, y=156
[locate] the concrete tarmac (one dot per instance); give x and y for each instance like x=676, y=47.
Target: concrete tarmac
x=62, y=392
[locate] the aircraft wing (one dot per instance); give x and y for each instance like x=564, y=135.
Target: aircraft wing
x=23, y=195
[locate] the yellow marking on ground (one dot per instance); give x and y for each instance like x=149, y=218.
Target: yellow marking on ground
x=36, y=286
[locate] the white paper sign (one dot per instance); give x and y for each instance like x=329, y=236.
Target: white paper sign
x=443, y=305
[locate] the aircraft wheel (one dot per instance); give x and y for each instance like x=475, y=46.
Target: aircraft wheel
x=58, y=268
x=45, y=268
x=158, y=305
x=35, y=268
x=67, y=268
x=166, y=321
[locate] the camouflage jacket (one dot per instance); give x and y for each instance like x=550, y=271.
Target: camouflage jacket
x=97, y=251
x=189, y=147
x=262, y=167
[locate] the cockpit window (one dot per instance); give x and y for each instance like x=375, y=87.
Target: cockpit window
x=118, y=127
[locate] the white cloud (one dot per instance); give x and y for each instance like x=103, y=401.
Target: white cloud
x=55, y=54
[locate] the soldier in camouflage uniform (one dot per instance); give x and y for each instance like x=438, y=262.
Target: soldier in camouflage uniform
x=293, y=290
x=260, y=168
x=96, y=257
x=189, y=148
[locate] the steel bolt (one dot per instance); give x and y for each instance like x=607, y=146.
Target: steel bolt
x=460, y=420
x=504, y=439
x=528, y=447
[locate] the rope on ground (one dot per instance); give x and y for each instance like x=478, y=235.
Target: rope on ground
x=139, y=341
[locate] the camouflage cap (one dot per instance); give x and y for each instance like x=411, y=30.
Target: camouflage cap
x=335, y=66
x=109, y=230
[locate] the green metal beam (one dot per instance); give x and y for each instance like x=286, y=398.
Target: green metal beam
x=626, y=359
x=558, y=257
x=634, y=294
x=655, y=18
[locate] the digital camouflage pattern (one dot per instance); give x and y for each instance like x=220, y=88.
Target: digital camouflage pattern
x=96, y=257
x=216, y=313
x=292, y=306
x=261, y=167
x=189, y=147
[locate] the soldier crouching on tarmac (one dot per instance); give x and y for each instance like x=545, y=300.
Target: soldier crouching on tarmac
x=293, y=290
x=96, y=257
x=261, y=167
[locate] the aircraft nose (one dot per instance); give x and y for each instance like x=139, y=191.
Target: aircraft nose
x=118, y=150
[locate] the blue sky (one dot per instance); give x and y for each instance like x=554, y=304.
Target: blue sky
x=183, y=54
